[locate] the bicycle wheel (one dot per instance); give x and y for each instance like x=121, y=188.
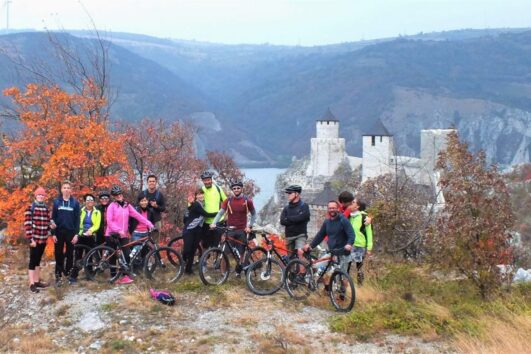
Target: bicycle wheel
x=164, y=265
x=265, y=276
x=177, y=243
x=98, y=265
x=78, y=262
x=214, y=267
x=342, y=292
x=254, y=255
x=297, y=279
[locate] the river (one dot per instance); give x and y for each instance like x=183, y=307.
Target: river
x=265, y=178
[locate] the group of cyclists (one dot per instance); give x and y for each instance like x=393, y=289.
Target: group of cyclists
x=113, y=221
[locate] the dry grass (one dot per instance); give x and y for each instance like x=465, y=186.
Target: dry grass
x=17, y=339
x=369, y=293
x=500, y=337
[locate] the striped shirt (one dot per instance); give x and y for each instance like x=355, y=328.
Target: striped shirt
x=37, y=222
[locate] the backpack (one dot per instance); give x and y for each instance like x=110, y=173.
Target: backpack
x=162, y=296
x=244, y=203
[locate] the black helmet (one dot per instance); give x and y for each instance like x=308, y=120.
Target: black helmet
x=116, y=190
x=236, y=183
x=293, y=188
x=104, y=194
x=206, y=174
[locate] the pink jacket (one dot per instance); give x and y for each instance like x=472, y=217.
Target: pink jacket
x=118, y=219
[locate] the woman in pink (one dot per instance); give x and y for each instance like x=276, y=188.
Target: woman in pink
x=117, y=218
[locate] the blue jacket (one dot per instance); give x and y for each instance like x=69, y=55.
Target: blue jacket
x=66, y=214
x=339, y=231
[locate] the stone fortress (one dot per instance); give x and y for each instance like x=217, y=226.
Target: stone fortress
x=379, y=157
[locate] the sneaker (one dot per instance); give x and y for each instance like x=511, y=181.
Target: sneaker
x=72, y=281
x=41, y=284
x=124, y=280
x=34, y=289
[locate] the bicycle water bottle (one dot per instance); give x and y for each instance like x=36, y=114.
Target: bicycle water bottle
x=133, y=252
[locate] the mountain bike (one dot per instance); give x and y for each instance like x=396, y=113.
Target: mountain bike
x=162, y=264
x=304, y=277
x=266, y=276
x=214, y=266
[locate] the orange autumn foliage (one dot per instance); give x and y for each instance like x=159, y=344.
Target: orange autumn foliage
x=63, y=136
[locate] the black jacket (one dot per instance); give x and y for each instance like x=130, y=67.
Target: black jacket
x=339, y=231
x=195, y=211
x=295, y=217
x=161, y=203
x=133, y=223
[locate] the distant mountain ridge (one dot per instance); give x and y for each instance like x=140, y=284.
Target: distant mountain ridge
x=266, y=98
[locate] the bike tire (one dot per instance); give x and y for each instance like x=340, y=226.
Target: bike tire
x=177, y=243
x=97, y=264
x=297, y=279
x=164, y=265
x=342, y=292
x=265, y=277
x=79, y=263
x=255, y=255
x=214, y=267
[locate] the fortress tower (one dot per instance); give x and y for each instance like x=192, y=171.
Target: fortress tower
x=432, y=141
x=378, y=152
x=327, y=148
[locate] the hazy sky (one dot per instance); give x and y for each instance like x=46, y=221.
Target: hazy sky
x=304, y=22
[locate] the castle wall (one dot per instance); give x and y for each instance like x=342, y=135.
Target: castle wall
x=376, y=158
x=327, y=149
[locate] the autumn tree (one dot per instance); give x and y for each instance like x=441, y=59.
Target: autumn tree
x=166, y=150
x=63, y=136
x=401, y=212
x=226, y=170
x=471, y=232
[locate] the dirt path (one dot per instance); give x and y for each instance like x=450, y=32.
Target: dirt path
x=90, y=317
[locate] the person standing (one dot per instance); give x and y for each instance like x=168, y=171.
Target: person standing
x=89, y=224
x=65, y=217
x=157, y=204
x=237, y=208
x=363, y=231
x=340, y=234
x=193, y=228
x=118, y=214
x=295, y=217
x=214, y=196
x=37, y=229
x=104, y=199
x=137, y=229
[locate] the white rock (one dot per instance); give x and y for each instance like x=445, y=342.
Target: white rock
x=90, y=322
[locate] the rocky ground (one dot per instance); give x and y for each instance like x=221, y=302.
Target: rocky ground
x=90, y=317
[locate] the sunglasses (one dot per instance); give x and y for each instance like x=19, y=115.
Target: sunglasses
x=290, y=192
x=89, y=200
x=104, y=197
x=236, y=188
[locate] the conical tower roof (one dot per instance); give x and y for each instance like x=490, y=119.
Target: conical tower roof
x=328, y=116
x=378, y=129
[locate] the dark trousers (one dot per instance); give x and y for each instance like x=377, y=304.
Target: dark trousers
x=36, y=255
x=64, y=238
x=111, y=242
x=191, y=240
x=210, y=238
x=80, y=252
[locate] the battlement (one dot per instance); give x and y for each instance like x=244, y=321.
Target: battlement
x=327, y=129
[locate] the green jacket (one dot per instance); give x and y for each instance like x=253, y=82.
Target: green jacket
x=95, y=217
x=361, y=240
x=213, y=198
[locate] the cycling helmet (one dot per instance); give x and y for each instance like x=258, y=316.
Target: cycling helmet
x=104, y=194
x=116, y=190
x=206, y=174
x=236, y=183
x=293, y=188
